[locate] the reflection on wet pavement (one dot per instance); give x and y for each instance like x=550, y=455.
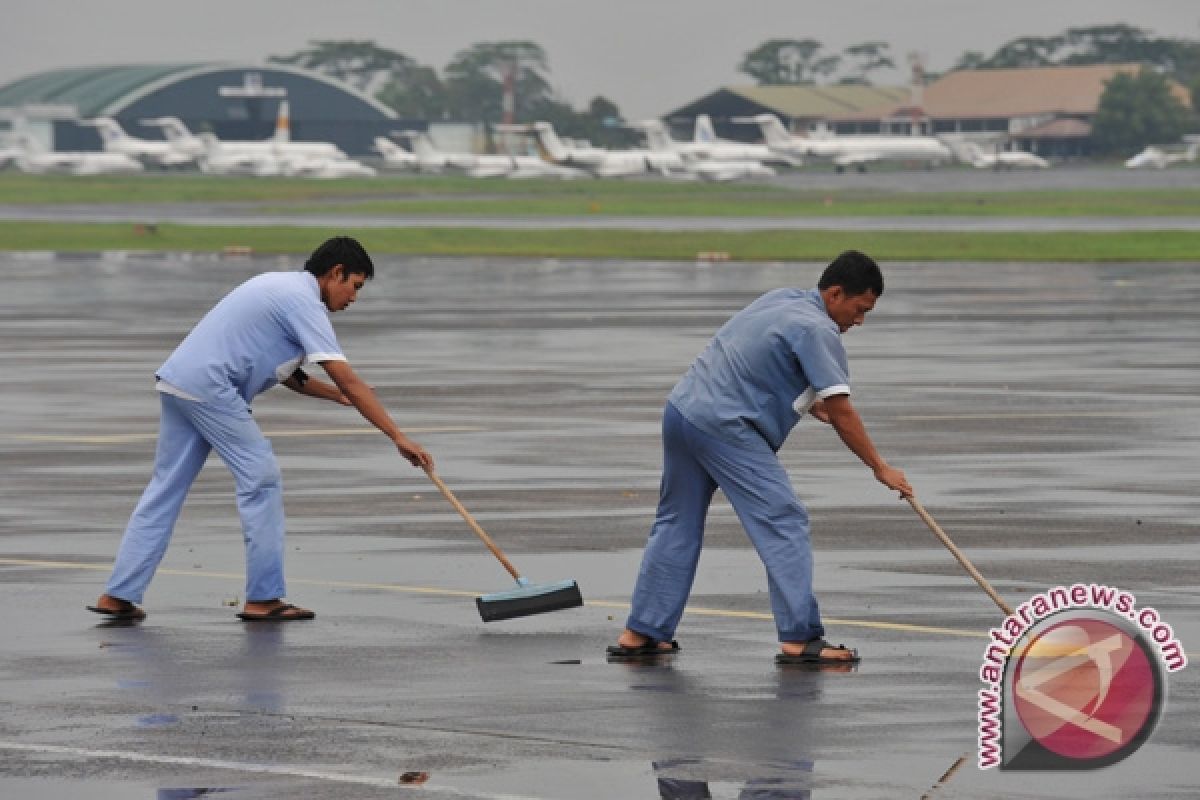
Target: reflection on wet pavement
x=1047, y=415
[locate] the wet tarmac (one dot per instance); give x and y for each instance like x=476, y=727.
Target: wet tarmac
x=1046, y=413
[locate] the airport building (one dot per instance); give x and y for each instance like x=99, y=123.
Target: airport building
x=234, y=101
x=1042, y=110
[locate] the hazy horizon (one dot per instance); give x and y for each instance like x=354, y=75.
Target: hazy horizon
x=648, y=58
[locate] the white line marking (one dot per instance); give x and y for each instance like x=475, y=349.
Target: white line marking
x=243, y=766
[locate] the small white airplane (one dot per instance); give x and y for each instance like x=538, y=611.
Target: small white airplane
x=483, y=165
x=599, y=162
x=974, y=154
x=706, y=144
x=155, y=153
x=394, y=156
x=36, y=159
x=1160, y=158
x=856, y=151
x=261, y=158
x=300, y=167
x=705, y=167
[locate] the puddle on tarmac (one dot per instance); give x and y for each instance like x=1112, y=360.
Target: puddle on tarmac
x=669, y=778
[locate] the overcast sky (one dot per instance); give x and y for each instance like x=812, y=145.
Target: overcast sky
x=648, y=56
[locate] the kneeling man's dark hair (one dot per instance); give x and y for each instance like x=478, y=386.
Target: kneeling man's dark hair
x=340, y=250
x=855, y=272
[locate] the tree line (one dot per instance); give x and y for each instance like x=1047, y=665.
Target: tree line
x=1134, y=110
x=470, y=88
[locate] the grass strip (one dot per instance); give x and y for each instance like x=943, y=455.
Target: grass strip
x=782, y=245
x=414, y=195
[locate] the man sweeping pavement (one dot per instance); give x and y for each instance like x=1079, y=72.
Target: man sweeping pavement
x=724, y=422
x=257, y=336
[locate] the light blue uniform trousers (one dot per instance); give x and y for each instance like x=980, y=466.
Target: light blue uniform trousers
x=695, y=464
x=188, y=431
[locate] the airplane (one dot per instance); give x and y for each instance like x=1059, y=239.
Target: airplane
x=36, y=159
x=850, y=151
x=300, y=167
x=706, y=144
x=213, y=159
x=598, y=162
x=483, y=165
x=261, y=158
x=163, y=154
x=973, y=154
x=1158, y=158
x=394, y=156
x=704, y=167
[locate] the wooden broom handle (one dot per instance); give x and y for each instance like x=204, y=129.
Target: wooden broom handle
x=466, y=515
x=962, y=559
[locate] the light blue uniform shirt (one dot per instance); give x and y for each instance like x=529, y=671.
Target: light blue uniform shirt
x=254, y=338
x=763, y=370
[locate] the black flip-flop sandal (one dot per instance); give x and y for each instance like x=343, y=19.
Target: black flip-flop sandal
x=127, y=612
x=648, y=650
x=812, y=654
x=276, y=614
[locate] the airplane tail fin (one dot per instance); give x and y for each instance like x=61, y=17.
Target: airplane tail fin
x=172, y=127
x=656, y=135
x=28, y=142
x=283, y=123
x=422, y=145
x=548, y=142
x=772, y=130
x=108, y=129
x=704, y=129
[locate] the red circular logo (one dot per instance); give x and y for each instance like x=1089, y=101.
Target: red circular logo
x=1084, y=689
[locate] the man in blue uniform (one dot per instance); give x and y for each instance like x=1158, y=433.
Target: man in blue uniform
x=774, y=361
x=257, y=336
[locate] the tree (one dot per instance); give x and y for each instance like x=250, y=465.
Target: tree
x=416, y=93
x=1137, y=110
x=363, y=64
x=972, y=59
x=476, y=76
x=1027, y=51
x=869, y=57
x=788, y=62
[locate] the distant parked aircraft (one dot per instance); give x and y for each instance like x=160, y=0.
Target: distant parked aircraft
x=483, y=165
x=263, y=157
x=705, y=167
x=599, y=162
x=34, y=158
x=974, y=154
x=152, y=152
x=706, y=144
x=1160, y=157
x=850, y=151
x=394, y=156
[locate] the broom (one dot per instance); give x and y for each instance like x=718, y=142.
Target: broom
x=527, y=598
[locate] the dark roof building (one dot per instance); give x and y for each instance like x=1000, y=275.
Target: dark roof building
x=800, y=107
x=1044, y=110
x=234, y=101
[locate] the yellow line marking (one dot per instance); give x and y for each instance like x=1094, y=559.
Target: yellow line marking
x=1029, y=415
x=394, y=587
x=440, y=592
x=130, y=438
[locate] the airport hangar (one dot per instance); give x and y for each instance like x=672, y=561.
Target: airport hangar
x=1042, y=110
x=234, y=101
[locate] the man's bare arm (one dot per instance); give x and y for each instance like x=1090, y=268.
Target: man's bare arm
x=315, y=387
x=849, y=425
x=362, y=397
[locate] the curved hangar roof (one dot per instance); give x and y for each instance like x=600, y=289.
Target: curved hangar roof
x=160, y=89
